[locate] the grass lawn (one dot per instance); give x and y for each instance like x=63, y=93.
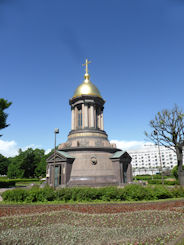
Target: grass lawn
x=92, y=224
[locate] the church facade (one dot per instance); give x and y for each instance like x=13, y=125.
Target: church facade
x=88, y=158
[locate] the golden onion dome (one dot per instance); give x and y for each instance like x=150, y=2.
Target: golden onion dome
x=87, y=87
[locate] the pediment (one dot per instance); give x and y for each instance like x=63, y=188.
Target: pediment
x=122, y=155
x=126, y=156
x=56, y=158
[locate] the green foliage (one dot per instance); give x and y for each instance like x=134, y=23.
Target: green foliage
x=40, y=170
x=132, y=192
x=111, y=193
x=174, y=171
x=149, y=177
x=161, y=192
x=14, y=171
x=27, y=164
x=137, y=193
x=159, y=182
x=7, y=183
x=29, y=161
x=83, y=193
x=4, y=104
x=17, y=195
x=64, y=194
x=34, y=194
x=142, y=177
x=4, y=162
x=40, y=195
x=178, y=192
x=159, y=176
x=26, y=180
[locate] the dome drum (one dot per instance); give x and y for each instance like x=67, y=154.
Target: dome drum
x=89, y=99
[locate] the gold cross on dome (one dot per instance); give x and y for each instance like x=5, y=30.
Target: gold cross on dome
x=86, y=64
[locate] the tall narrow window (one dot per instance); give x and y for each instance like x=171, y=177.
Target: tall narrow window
x=97, y=123
x=79, y=118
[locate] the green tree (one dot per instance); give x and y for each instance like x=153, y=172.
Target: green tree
x=14, y=170
x=4, y=104
x=28, y=164
x=4, y=162
x=168, y=130
x=174, y=171
x=40, y=170
x=30, y=160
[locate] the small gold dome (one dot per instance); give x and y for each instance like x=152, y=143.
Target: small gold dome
x=87, y=88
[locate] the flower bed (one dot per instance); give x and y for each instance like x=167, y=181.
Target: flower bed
x=135, y=223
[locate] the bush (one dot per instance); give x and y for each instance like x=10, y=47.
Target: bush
x=7, y=183
x=84, y=194
x=149, y=193
x=159, y=176
x=159, y=182
x=77, y=194
x=64, y=194
x=25, y=180
x=17, y=195
x=133, y=192
x=107, y=193
x=174, y=171
x=143, y=177
x=36, y=194
x=178, y=192
x=138, y=193
x=148, y=177
x=161, y=192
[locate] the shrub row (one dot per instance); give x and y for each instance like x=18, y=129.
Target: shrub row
x=131, y=192
x=25, y=180
x=149, y=177
x=166, y=182
x=7, y=183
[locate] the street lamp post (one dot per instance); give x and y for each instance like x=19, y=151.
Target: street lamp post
x=56, y=131
x=156, y=134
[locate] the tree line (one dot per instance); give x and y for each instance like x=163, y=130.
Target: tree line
x=30, y=163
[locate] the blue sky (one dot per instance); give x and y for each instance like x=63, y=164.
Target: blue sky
x=137, y=53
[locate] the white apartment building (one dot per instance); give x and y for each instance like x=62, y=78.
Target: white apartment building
x=148, y=161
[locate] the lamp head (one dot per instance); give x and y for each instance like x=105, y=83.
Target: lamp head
x=56, y=131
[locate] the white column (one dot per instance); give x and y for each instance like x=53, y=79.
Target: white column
x=89, y=117
x=73, y=119
x=92, y=116
x=85, y=116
